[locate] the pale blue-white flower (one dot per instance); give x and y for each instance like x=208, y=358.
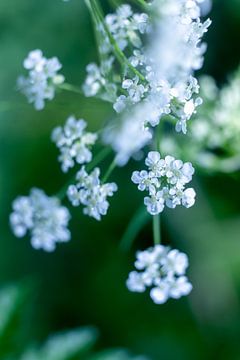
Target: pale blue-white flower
x=43, y=78
x=165, y=182
x=43, y=217
x=162, y=270
x=91, y=193
x=74, y=143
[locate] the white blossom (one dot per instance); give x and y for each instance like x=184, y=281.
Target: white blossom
x=43, y=217
x=73, y=142
x=163, y=271
x=125, y=26
x=42, y=80
x=89, y=192
x=128, y=136
x=165, y=181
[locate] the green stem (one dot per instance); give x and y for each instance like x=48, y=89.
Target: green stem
x=156, y=229
x=72, y=88
x=142, y=3
x=96, y=160
x=158, y=137
x=117, y=51
x=109, y=171
x=96, y=23
x=114, y=3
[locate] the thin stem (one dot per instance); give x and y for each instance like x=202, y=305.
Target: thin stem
x=96, y=160
x=158, y=137
x=96, y=24
x=72, y=88
x=156, y=229
x=114, y=3
x=142, y=3
x=109, y=171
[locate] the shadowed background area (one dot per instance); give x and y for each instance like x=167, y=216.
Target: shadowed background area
x=83, y=282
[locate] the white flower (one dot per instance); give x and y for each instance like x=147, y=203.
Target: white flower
x=89, y=192
x=120, y=103
x=188, y=198
x=74, y=143
x=165, y=181
x=175, y=262
x=180, y=287
x=44, y=218
x=134, y=89
x=159, y=294
x=135, y=282
x=94, y=80
x=163, y=271
x=42, y=80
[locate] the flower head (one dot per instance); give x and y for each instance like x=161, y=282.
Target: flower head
x=89, y=192
x=43, y=217
x=74, y=143
x=165, y=181
x=42, y=80
x=162, y=270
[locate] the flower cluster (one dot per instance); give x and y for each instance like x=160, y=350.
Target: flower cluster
x=126, y=28
x=162, y=270
x=74, y=143
x=163, y=82
x=89, y=192
x=96, y=84
x=165, y=181
x=43, y=217
x=167, y=63
x=42, y=80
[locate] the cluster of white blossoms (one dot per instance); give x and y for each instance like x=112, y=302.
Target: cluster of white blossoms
x=163, y=270
x=163, y=83
x=89, y=192
x=146, y=70
x=167, y=63
x=73, y=142
x=165, y=181
x=126, y=28
x=42, y=80
x=44, y=218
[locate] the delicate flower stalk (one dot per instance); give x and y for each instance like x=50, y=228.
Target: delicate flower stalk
x=156, y=229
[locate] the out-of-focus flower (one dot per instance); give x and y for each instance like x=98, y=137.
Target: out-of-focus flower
x=43, y=217
x=42, y=80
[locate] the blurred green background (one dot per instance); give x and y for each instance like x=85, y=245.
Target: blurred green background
x=83, y=282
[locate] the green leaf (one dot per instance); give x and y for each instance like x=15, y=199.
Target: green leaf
x=12, y=301
x=65, y=345
x=116, y=354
